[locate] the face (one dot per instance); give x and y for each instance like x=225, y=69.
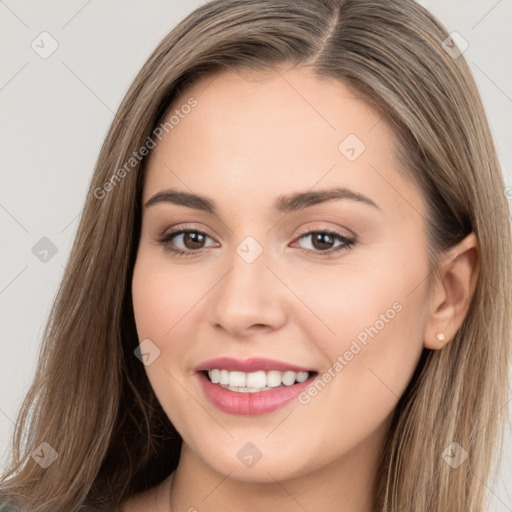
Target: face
x=319, y=303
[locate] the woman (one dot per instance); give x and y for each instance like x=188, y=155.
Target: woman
x=290, y=285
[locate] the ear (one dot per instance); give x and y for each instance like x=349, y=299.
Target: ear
x=452, y=292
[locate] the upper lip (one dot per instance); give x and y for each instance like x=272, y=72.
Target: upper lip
x=253, y=364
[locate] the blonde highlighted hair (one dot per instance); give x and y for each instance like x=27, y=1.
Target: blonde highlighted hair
x=90, y=398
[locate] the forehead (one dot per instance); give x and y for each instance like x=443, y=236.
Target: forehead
x=264, y=134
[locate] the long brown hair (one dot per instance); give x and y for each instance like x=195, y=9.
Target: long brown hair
x=90, y=399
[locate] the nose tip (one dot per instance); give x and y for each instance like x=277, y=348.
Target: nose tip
x=247, y=297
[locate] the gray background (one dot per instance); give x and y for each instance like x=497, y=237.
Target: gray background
x=56, y=111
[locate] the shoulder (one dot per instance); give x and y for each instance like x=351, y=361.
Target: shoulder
x=8, y=506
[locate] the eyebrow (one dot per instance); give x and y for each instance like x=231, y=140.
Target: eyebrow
x=284, y=204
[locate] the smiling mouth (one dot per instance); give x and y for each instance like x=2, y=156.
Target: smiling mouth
x=255, y=382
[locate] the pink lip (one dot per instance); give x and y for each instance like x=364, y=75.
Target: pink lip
x=249, y=365
x=250, y=403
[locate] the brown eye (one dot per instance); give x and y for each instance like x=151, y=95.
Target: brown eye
x=322, y=242
x=192, y=240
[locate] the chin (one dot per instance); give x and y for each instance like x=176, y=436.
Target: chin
x=252, y=465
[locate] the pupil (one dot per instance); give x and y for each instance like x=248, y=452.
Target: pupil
x=318, y=239
x=195, y=238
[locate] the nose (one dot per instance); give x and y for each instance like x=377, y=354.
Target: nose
x=250, y=297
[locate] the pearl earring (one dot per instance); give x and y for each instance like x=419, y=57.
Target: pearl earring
x=440, y=336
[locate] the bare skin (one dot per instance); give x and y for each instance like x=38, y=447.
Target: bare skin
x=251, y=139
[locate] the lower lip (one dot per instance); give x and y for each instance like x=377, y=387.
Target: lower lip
x=260, y=402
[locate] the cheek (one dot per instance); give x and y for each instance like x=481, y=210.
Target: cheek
x=163, y=296
x=358, y=392
x=163, y=301
x=369, y=328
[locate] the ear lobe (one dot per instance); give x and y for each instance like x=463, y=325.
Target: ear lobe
x=453, y=292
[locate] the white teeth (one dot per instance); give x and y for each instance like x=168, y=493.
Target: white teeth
x=255, y=381
x=288, y=378
x=237, y=379
x=302, y=376
x=244, y=390
x=215, y=376
x=224, y=377
x=273, y=379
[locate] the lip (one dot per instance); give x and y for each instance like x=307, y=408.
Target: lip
x=253, y=364
x=246, y=404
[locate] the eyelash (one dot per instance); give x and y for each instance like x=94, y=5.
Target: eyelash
x=347, y=242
